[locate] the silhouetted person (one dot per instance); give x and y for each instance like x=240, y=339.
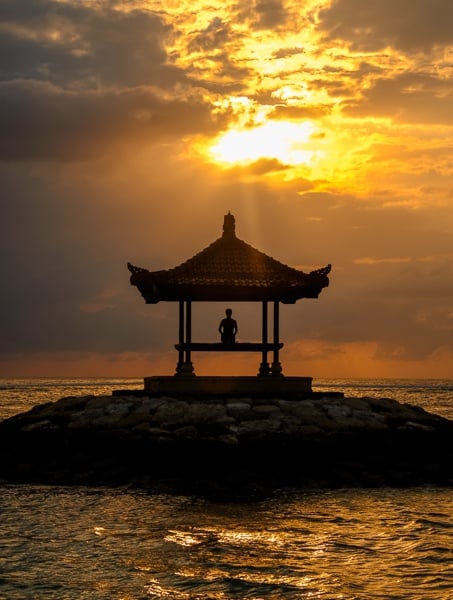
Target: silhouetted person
x=228, y=328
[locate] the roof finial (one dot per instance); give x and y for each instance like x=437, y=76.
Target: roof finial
x=229, y=225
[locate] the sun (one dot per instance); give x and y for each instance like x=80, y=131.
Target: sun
x=289, y=143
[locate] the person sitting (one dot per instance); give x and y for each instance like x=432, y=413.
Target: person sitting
x=228, y=328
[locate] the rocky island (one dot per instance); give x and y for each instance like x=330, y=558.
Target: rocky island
x=226, y=447
x=227, y=437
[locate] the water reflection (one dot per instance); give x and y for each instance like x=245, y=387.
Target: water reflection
x=101, y=544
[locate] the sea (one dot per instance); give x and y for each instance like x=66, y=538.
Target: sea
x=95, y=543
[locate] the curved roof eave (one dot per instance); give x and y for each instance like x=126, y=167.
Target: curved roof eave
x=229, y=269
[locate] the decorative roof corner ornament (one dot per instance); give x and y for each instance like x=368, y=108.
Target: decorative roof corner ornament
x=323, y=271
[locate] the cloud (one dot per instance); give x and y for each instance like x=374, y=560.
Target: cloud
x=258, y=167
x=288, y=52
x=214, y=36
x=410, y=97
x=271, y=13
x=88, y=44
x=300, y=112
x=408, y=25
x=79, y=78
x=40, y=121
x=262, y=14
x=372, y=260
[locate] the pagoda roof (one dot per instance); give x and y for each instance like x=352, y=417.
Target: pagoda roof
x=229, y=269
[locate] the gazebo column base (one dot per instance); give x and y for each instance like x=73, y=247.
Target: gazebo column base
x=264, y=369
x=184, y=369
x=276, y=369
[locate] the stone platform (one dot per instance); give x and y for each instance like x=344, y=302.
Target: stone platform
x=279, y=386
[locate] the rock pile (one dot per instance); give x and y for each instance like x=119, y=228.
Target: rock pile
x=226, y=444
x=227, y=420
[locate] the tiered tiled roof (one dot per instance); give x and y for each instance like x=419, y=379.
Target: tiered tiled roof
x=229, y=269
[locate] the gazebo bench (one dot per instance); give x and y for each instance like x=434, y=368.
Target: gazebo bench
x=222, y=347
x=185, y=365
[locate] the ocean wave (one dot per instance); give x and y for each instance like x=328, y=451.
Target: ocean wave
x=387, y=543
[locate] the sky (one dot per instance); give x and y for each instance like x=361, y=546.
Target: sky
x=128, y=130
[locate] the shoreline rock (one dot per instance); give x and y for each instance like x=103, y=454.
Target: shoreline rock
x=227, y=448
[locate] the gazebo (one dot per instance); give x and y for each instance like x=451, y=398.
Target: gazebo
x=229, y=270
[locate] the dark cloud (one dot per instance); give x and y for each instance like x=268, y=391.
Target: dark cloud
x=262, y=14
x=409, y=25
x=271, y=13
x=344, y=83
x=411, y=97
x=84, y=44
x=223, y=76
x=259, y=167
x=212, y=62
x=213, y=37
x=63, y=262
x=40, y=121
x=380, y=304
x=287, y=52
x=81, y=78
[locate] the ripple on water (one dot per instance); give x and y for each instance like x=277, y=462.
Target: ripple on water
x=106, y=544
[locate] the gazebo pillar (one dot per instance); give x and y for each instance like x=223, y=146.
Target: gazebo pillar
x=180, y=362
x=185, y=366
x=264, y=366
x=276, y=368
